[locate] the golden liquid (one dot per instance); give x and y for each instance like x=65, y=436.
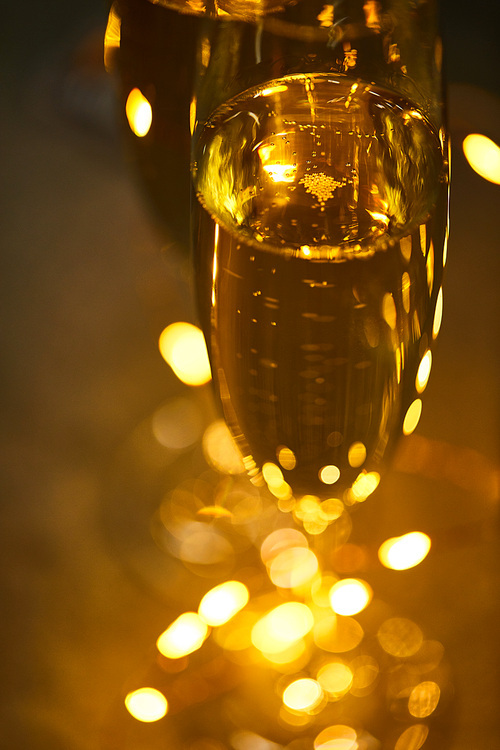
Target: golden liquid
x=319, y=240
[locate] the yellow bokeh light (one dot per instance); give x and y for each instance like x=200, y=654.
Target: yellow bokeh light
x=364, y=484
x=272, y=474
x=389, y=310
x=412, y=738
x=280, y=540
x=423, y=699
x=329, y=474
x=483, y=155
x=293, y=567
x=338, y=634
x=220, y=450
x=403, y=552
x=146, y=704
x=183, y=636
x=438, y=314
x=337, y=737
x=222, y=602
x=182, y=346
x=412, y=417
x=400, y=637
x=286, y=458
x=356, y=454
x=424, y=371
x=335, y=678
x=112, y=38
x=139, y=113
x=303, y=695
x=280, y=627
x=350, y=596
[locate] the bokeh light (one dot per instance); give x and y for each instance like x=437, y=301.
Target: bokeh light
x=400, y=637
x=293, y=567
x=146, y=704
x=337, y=737
x=182, y=346
x=424, y=371
x=303, y=695
x=412, y=416
x=220, y=604
x=335, y=678
x=406, y=551
x=183, y=636
x=220, y=449
x=483, y=155
x=139, y=113
x=280, y=627
x=424, y=699
x=350, y=596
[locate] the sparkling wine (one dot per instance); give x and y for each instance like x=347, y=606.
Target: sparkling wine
x=320, y=228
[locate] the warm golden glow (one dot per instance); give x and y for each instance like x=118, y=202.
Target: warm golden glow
x=139, y=113
x=286, y=458
x=272, y=474
x=483, y=155
x=350, y=596
x=281, y=627
x=438, y=314
x=177, y=424
x=412, y=417
x=335, y=678
x=403, y=552
x=338, y=634
x=220, y=604
x=280, y=540
x=356, y=454
x=182, y=346
x=423, y=699
x=329, y=474
x=220, y=449
x=389, y=310
x=412, y=738
x=112, y=38
x=364, y=484
x=272, y=90
x=365, y=672
x=400, y=637
x=146, y=704
x=303, y=695
x=293, y=567
x=337, y=737
x=424, y=371
x=281, y=172
x=183, y=636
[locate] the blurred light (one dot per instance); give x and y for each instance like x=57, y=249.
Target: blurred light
x=139, y=113
x=337, y=737
x=412, y=738
x=272, y=474
x=403, y=552
x=293, y=567
x=280, y=540
x=335, y=678
x=280, y=627
x=423, y=699
x=364, y=484
x=272, y=90
x=178, y=424
x=183, y=636
x=412, y=417
x=183, y=347
x=303, y=695
x=350, y=596
x=365, y=672
x=281, y=172
x=356, y=454
x=424, y=371
x=221, y=603
x=202, y=544
x=220, y=449
x=438, y=314
x=329, y=474
x=286, y=458
x=400, y=637
x=338, y=634
x=389, y=310
x=405, y=289
x=146, y=704
x=483, y=155
x=112, y=38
